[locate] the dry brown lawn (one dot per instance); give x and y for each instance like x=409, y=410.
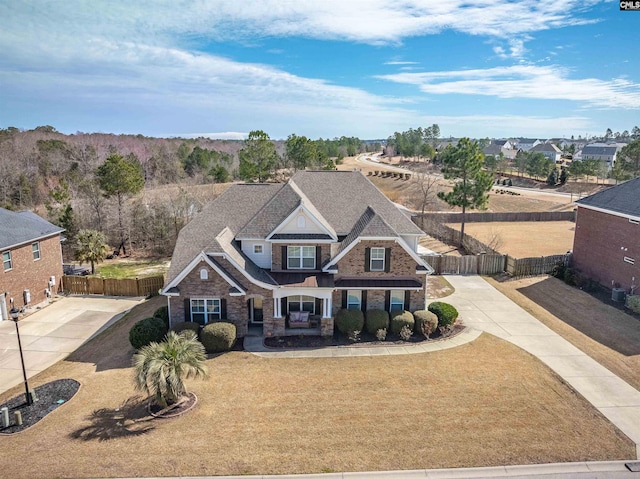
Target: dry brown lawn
x=524, y=239
x=607, y=334
x=485, y=403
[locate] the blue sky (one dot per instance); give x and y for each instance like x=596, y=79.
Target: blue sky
x=320, y=68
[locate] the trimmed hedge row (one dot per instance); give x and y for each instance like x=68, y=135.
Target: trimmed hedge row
x=376, y=319
x=401, y=319
x=349, y=320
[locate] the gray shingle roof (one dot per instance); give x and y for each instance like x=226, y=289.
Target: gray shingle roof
x=341, y=197
x=599, y=151
x=546, y=147
x=231, y=209
x=623, y=198
x=23, y=227
x=492, y=149
x=274, y=212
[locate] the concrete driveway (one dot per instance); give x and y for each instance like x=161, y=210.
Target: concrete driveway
x=484, y=308
x=54, y=332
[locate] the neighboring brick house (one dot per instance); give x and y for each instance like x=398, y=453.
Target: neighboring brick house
x=606, y=245
x=31, y=260
x=323, y=241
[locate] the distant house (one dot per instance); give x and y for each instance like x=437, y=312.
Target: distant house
x=549, y=150
x=606, y=245
x=525, y=144
x=606, y=152
x=31, y=260
x=500, y=146
x=281, y=257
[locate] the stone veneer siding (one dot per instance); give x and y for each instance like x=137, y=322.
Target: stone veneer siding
x=217, y=287
x=600, y=245
x=31, y=274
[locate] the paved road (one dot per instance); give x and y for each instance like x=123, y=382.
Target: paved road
x=54, y=332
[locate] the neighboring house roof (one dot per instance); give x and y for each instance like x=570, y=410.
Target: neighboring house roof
x=621, y=199
x=23, y=227
x=599, y=150
x=493, y=149
x=546, y=147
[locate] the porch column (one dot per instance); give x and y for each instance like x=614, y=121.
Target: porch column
x=276, y=307
x=326, y=304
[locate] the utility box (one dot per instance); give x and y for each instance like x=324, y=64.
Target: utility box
x=618, y=295
x=27, y=296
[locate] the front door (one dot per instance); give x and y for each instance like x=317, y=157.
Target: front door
x=255, y=310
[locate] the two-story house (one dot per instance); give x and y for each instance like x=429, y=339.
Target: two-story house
x=549, y=150
x=31, y=260
x=323, y=241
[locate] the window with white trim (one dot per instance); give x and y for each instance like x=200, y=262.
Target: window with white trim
x=301, y=257
x=354, y=299
x=7, y=263
x=629, y=260
x=35, y=248
x=397, y=301
x=377, y=259
x=257, y=249
x=204, y=311
x=204, y=274
x=301, y=303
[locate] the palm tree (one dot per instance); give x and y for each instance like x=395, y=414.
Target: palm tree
x=91, y=247
x=161, y=368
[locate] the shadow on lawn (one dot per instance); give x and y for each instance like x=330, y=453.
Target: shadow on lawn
x=617, y=330
x=130, y=419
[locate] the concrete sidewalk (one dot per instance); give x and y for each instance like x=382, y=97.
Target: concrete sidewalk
x=52, y=333
x=571, y=470
x=486, y=309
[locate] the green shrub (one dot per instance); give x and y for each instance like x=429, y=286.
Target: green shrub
x=426, y=322
x=633, y=303
x=162, y=313
x=349, y=320
x=446, y=313
x=376, y=319
x=400, y=320
x=186, y=326
x=146, y=331
x=218, y=337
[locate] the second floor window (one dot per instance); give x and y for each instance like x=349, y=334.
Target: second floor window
x=35, y=247
x=301, y=257
x=377, y=259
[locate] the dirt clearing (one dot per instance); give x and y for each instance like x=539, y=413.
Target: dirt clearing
x=524, y=239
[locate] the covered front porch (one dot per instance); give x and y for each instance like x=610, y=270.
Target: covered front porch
x=300, y=311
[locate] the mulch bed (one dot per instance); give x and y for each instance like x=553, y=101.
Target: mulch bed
x=49, y=396
x=366, y=340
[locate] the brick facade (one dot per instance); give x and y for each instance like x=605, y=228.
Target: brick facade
x=401, y=264
x=217, y=287
x=376, y=300
x=276, y=255
x=601, y=243
x=31, y=274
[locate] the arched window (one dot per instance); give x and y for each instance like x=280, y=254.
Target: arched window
x=204, y=274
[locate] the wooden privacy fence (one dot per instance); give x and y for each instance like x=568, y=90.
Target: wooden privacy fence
x=488, y=264
x=534, y=266
x=111, y=286
x=478, y=217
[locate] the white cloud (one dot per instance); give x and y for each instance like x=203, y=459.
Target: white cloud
x=526, y=81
